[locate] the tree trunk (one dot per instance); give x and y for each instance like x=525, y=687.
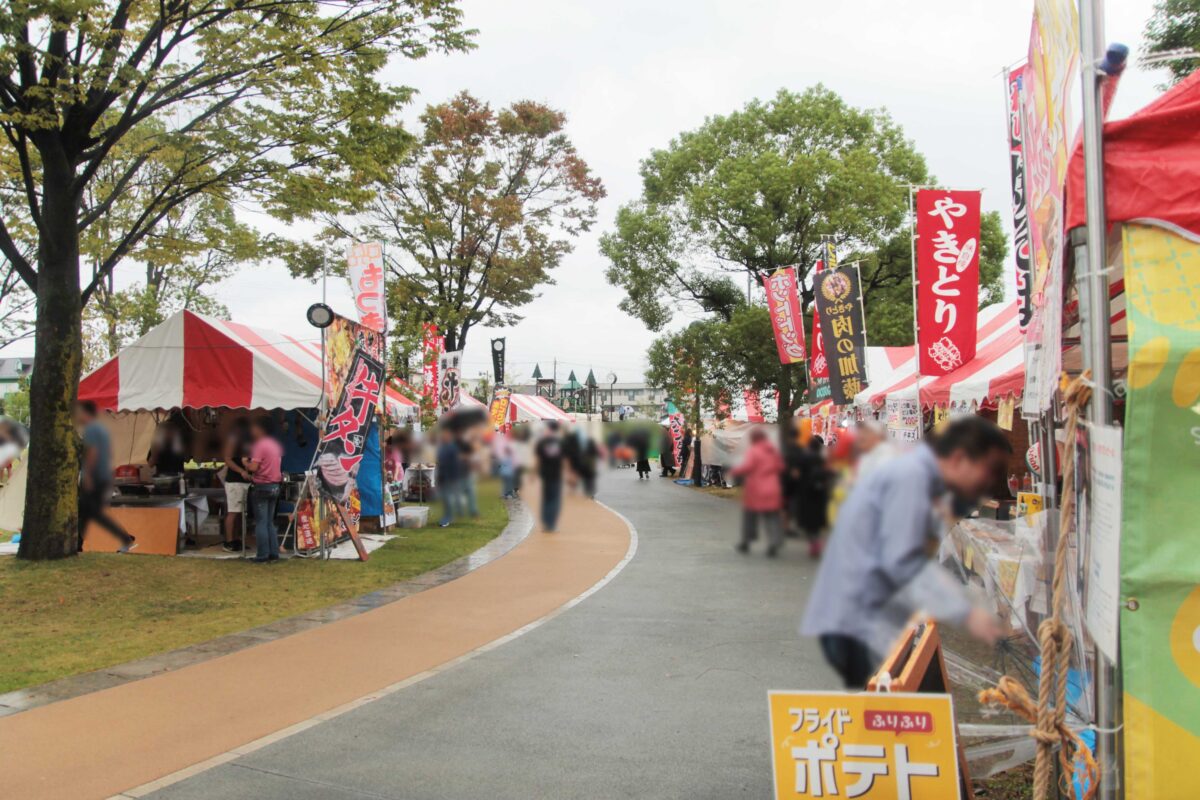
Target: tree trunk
x=51, y=510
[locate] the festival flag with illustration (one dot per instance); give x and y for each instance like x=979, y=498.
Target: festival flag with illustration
x=783, y=302
x=1160, y=564
x=818, y=365
x=840, y=311
x=947, y=277
x=364, y=264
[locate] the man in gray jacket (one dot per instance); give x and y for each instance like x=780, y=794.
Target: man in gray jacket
x=878, y=568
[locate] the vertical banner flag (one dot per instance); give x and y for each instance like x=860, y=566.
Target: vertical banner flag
x=450, y=387
x=344, y=442
x=783, y=301
x=364, y=263
x=498, y=411
x=498, y=359
x=1160, y=565
x=754, y=409
x=1046, y=92
x=839, y=307
x=1016, y=159
x=818, y=366
x=676, y=423
x=430, y=353
x=947, y=275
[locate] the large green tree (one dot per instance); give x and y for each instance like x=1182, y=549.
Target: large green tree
x=474, y=219
x=276, y=101
x=727, y=204
x=1175, y=26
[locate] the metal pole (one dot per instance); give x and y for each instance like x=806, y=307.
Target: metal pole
x=912, y=222
x=1092, y=283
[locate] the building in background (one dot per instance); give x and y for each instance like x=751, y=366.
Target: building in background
x=12, y=371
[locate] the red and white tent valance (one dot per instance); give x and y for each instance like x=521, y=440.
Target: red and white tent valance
x=194, y=361
x=466, y=400
x=531, y=407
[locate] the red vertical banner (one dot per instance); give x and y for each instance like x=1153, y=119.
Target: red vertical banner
x=783, y=302
x=754, y=409
x=818, y=366
x=947, y=272
x=431, y=350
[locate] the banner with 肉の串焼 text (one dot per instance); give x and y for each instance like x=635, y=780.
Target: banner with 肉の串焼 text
x=839, y=307
x=870, y=745
x=783, y=302
x=947, y=278
x=1159, y=565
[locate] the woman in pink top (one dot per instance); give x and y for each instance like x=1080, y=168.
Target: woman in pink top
x=266, y=474
x=762, y=492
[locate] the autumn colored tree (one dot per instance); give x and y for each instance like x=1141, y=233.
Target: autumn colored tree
x=474, y=219
x=272, y=101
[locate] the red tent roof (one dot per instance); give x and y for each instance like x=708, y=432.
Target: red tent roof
x=1151, y=164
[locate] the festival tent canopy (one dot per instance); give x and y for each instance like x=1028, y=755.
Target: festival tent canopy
x=531, y=407
x=466, y=400
x=1151, y=165
x=194, y=361
x=398, y=404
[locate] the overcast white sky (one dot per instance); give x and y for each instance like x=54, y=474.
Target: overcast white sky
x=630, y=74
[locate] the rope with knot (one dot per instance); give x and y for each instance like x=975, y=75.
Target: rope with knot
x=1054, y=638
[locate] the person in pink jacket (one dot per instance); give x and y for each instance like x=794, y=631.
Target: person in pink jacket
x=762, y=492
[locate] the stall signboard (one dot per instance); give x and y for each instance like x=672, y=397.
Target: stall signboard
x=364, y=263
x=498, y=410
x=783, y=303
x=498, y=348
x=871, y=745
x=343, y=339
x=840, y=310
x=449, y=387
x=1160, y=563
x=904, y=419
x=947, y=278
x=1013, y=80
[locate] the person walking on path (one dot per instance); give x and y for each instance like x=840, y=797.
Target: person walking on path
x=813, y=487
x=640, y=443
x=449, y=476
x=504, y=454
x=266, y=477
x=877, y=570
x=666, y=454
x=549, y=453
x=762, y=493
x=95, y=477
x=685, y=452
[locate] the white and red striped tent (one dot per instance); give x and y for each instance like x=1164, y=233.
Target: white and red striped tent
x=194, y=361
x=532, y=408
x=398, y=403
x=467, y=400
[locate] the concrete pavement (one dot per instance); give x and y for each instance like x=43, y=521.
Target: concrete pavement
x=654, y=687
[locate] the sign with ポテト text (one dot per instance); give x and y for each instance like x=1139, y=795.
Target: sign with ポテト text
x=871, y=745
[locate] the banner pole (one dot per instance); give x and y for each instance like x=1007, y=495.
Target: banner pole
x=1092, y=288
x=912, y=239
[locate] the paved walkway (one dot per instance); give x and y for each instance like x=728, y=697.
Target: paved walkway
x=654, y=687
x=106, y=742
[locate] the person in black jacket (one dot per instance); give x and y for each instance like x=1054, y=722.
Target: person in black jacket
x=666, y=454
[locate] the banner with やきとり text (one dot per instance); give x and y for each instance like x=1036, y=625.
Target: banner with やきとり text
x=947, y=277
x=364, y=264
x=783, y=302
x=1160, y=563
x=871, y=745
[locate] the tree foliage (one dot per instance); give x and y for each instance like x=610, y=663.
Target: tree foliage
x=1175, y=25
x=756, y=190
x=474, y=218
x=273, y=101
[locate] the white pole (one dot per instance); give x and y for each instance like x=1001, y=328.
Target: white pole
x=1092, y=286
x=912, y=222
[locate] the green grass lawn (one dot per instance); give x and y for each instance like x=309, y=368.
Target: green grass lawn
x=96, y=610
